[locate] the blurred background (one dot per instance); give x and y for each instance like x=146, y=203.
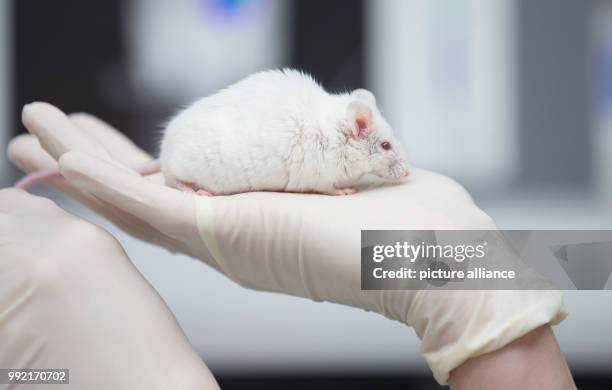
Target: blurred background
x=511, y=98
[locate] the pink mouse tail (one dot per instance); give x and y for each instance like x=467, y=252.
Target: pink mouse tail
x=35, y=178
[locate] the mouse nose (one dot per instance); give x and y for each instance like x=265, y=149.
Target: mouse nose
x=406, y=173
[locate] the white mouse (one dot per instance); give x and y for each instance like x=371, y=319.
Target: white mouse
x=279, y=130
x=276, y=130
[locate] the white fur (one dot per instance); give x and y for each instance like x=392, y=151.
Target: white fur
x=275, y=130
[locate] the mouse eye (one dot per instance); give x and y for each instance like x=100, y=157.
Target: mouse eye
x=386, y=145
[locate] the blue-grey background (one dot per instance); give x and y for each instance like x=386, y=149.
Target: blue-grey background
x=511, y=98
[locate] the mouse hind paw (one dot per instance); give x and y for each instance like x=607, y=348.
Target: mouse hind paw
x=341, y=191
x=190, y=188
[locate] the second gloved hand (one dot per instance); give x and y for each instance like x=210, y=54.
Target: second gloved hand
x=71, y=299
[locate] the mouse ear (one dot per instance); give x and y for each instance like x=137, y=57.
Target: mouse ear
x=360, y=118
x=365, y=95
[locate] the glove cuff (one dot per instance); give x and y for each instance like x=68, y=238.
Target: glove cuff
x=481, y=336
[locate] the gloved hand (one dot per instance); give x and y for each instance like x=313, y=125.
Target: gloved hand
x=71, y=299
x=301, y=244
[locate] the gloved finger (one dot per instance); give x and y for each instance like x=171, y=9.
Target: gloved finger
x=165, y=209
x=56, y=133
x=116, y=143
x=25, y=150
x=27, y=154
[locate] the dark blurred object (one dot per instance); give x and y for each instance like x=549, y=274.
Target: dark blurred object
x=63, y=50
x=330, y=382
x=388, y=382
x=72, y=54
x=328, y=41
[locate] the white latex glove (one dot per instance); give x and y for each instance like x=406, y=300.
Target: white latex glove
x=301, y=244
x=71, y=299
